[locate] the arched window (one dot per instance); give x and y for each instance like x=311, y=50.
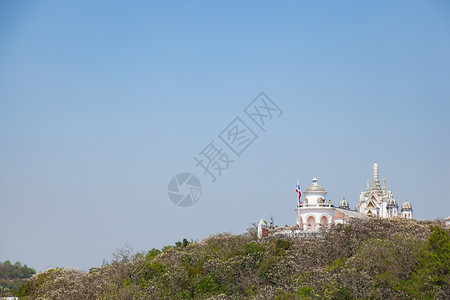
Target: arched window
x=323, y=221
x=311, y=223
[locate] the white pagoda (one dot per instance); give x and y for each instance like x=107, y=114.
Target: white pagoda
x=377, y=201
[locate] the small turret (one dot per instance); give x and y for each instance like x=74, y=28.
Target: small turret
x=407, y=210
x=344, y=204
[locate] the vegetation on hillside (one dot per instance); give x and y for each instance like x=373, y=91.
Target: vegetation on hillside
x=375, y=258
x=12, y=277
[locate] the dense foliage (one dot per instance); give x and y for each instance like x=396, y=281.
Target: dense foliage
x=12, y=276
x=376, y=258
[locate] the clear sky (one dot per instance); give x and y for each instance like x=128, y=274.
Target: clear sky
x=102, y=102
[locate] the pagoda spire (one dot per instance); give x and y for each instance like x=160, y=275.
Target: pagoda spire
x=376, y=179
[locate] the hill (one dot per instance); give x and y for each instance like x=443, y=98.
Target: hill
x=13, y=276
x=375, y=258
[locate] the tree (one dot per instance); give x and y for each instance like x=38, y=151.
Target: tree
x=431, y=278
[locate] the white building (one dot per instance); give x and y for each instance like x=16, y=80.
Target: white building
x=377, y=201
x=316, y=212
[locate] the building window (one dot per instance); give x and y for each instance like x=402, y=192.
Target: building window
x=323, y=221
x=311, y=221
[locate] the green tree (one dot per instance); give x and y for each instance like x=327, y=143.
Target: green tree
x=430, y=279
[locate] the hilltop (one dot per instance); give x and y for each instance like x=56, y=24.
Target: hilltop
x=13, y=276
x=374, y=258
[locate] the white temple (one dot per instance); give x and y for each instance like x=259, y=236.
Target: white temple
x=315, y=212
x=377, y=201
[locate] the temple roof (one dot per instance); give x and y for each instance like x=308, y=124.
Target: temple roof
x=351, y=213
x=406, y=205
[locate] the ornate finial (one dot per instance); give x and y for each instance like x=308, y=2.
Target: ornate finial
x=314, y=180
x=368, y=185
x=384, y=184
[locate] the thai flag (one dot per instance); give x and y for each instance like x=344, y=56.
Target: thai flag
x=297, y=189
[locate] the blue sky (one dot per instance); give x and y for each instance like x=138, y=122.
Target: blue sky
x=101, y=103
